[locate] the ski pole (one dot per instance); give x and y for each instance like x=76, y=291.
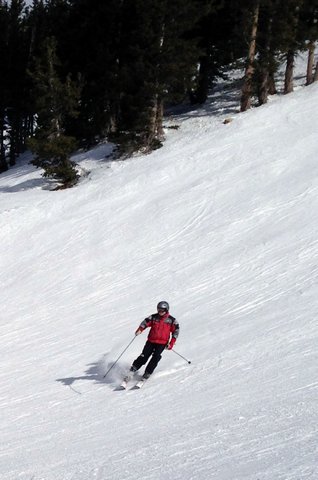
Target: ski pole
x=188, y=361
x=122, y=353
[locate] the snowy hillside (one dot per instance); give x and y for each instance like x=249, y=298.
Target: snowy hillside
x=221, y=222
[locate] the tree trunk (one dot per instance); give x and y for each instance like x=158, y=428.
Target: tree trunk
x=3, y=162
x=263, y=86
x=316, y=73
x=14, y=144
x=310, y=63
x=201, y=93
x=247, y=88
x=290, y=60
x=159, y=119
x=265, y=54
x=289, y=83
x=155, y=127
x=272, y=90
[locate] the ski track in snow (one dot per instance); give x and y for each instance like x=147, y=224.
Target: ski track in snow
x=222, y=223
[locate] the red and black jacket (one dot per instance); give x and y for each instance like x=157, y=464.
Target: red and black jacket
x=161, y=327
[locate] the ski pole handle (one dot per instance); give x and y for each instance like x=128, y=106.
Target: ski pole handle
x=188, y=361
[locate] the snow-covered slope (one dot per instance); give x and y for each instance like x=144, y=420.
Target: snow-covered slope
x=221, y=222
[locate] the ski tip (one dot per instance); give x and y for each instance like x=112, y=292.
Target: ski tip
x=119, y=388
x=138, y=385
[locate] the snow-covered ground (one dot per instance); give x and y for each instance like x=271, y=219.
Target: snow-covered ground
x=221, y=222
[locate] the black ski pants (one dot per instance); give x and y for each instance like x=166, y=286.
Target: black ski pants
x=150, y=349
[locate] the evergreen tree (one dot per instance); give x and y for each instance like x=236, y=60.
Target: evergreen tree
x=308, y=33
x=157, y=62
x=132, y=58
x=4, y=21
x=286, y=36
x=252, y=19
x=93, y=36
x=16, y=71
x=266, y=64
x=220, y=43
x=55, y=101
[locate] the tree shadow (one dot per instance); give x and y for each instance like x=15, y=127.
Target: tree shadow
x=223, y=99
x=27, y=185
x=15, y=176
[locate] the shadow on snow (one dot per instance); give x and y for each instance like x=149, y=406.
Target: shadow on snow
x=96, y=372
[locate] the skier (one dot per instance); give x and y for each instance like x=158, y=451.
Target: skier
x=162, y=325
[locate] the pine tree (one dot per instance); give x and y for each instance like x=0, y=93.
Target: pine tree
x=157, y=62
x=219, y=43
x=55, y=101
x=308, y=33
x=265, y=63
x=286, y=37
x=4, y=21
x=16, y=70
x=247, y=88
x=92, y=46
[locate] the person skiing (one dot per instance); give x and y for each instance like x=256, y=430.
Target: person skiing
x=164, y=331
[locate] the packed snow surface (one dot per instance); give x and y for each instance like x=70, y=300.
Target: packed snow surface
x=221, y=222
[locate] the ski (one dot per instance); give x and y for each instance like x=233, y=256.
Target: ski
x=139, y=384
x=124, y=384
